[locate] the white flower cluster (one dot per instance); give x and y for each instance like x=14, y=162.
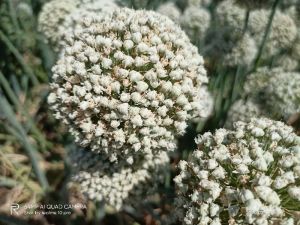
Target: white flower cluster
x=282, y=94
x=272, y=93
x=276, y=89
x=231, y=46
x=250, y=175
x=195, y=21
x=243, y=110
x=243, y=52
x=237, y=38
x=53, y=12
x=282, y=34
x=230, y=16
x=117, y=184
x=72, y=21
x=170, y=10
x=258, y=80
x=127, y=83
x=289, y=60
x=59, y=17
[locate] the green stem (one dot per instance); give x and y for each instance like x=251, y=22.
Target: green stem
x=236, y=82
x=246, y=21
x=19, y=57
x=266, y=34
x=14, y=19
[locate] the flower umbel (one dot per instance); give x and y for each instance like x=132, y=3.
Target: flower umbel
x=249, y=175
x=127, y=83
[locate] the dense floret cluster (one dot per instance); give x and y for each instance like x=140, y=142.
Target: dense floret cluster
x=273, y=93
x=170, y=10
x=243, y=110
x=230, y=16
x=242, y=52
x=282, y=95
x=59, y=17
x=236, y=33
x=283, y=31
x=195, y=21
x=117, y=184
x=52, y=14
x=249, y=175
x=131, y=93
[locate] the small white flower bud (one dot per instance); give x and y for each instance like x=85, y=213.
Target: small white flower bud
x=141, y=86
x=128, y=44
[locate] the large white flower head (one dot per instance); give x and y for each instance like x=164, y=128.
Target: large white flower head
x=230, y=16
x=250, y=175
x=282, y=94
x=117, y=184
x=243, y=52
x=195, y=21
x=235, y=46
x=232, y=49
x=57, y=16
x=51, y=15
x=127, y=83
x=257, y=81
x=289, y=59
x=277, y=90
x=287, y=62
x=282, y=34
x=170, y=10
x=243, y=110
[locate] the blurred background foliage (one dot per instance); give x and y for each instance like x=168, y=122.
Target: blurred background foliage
x=34, y=165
